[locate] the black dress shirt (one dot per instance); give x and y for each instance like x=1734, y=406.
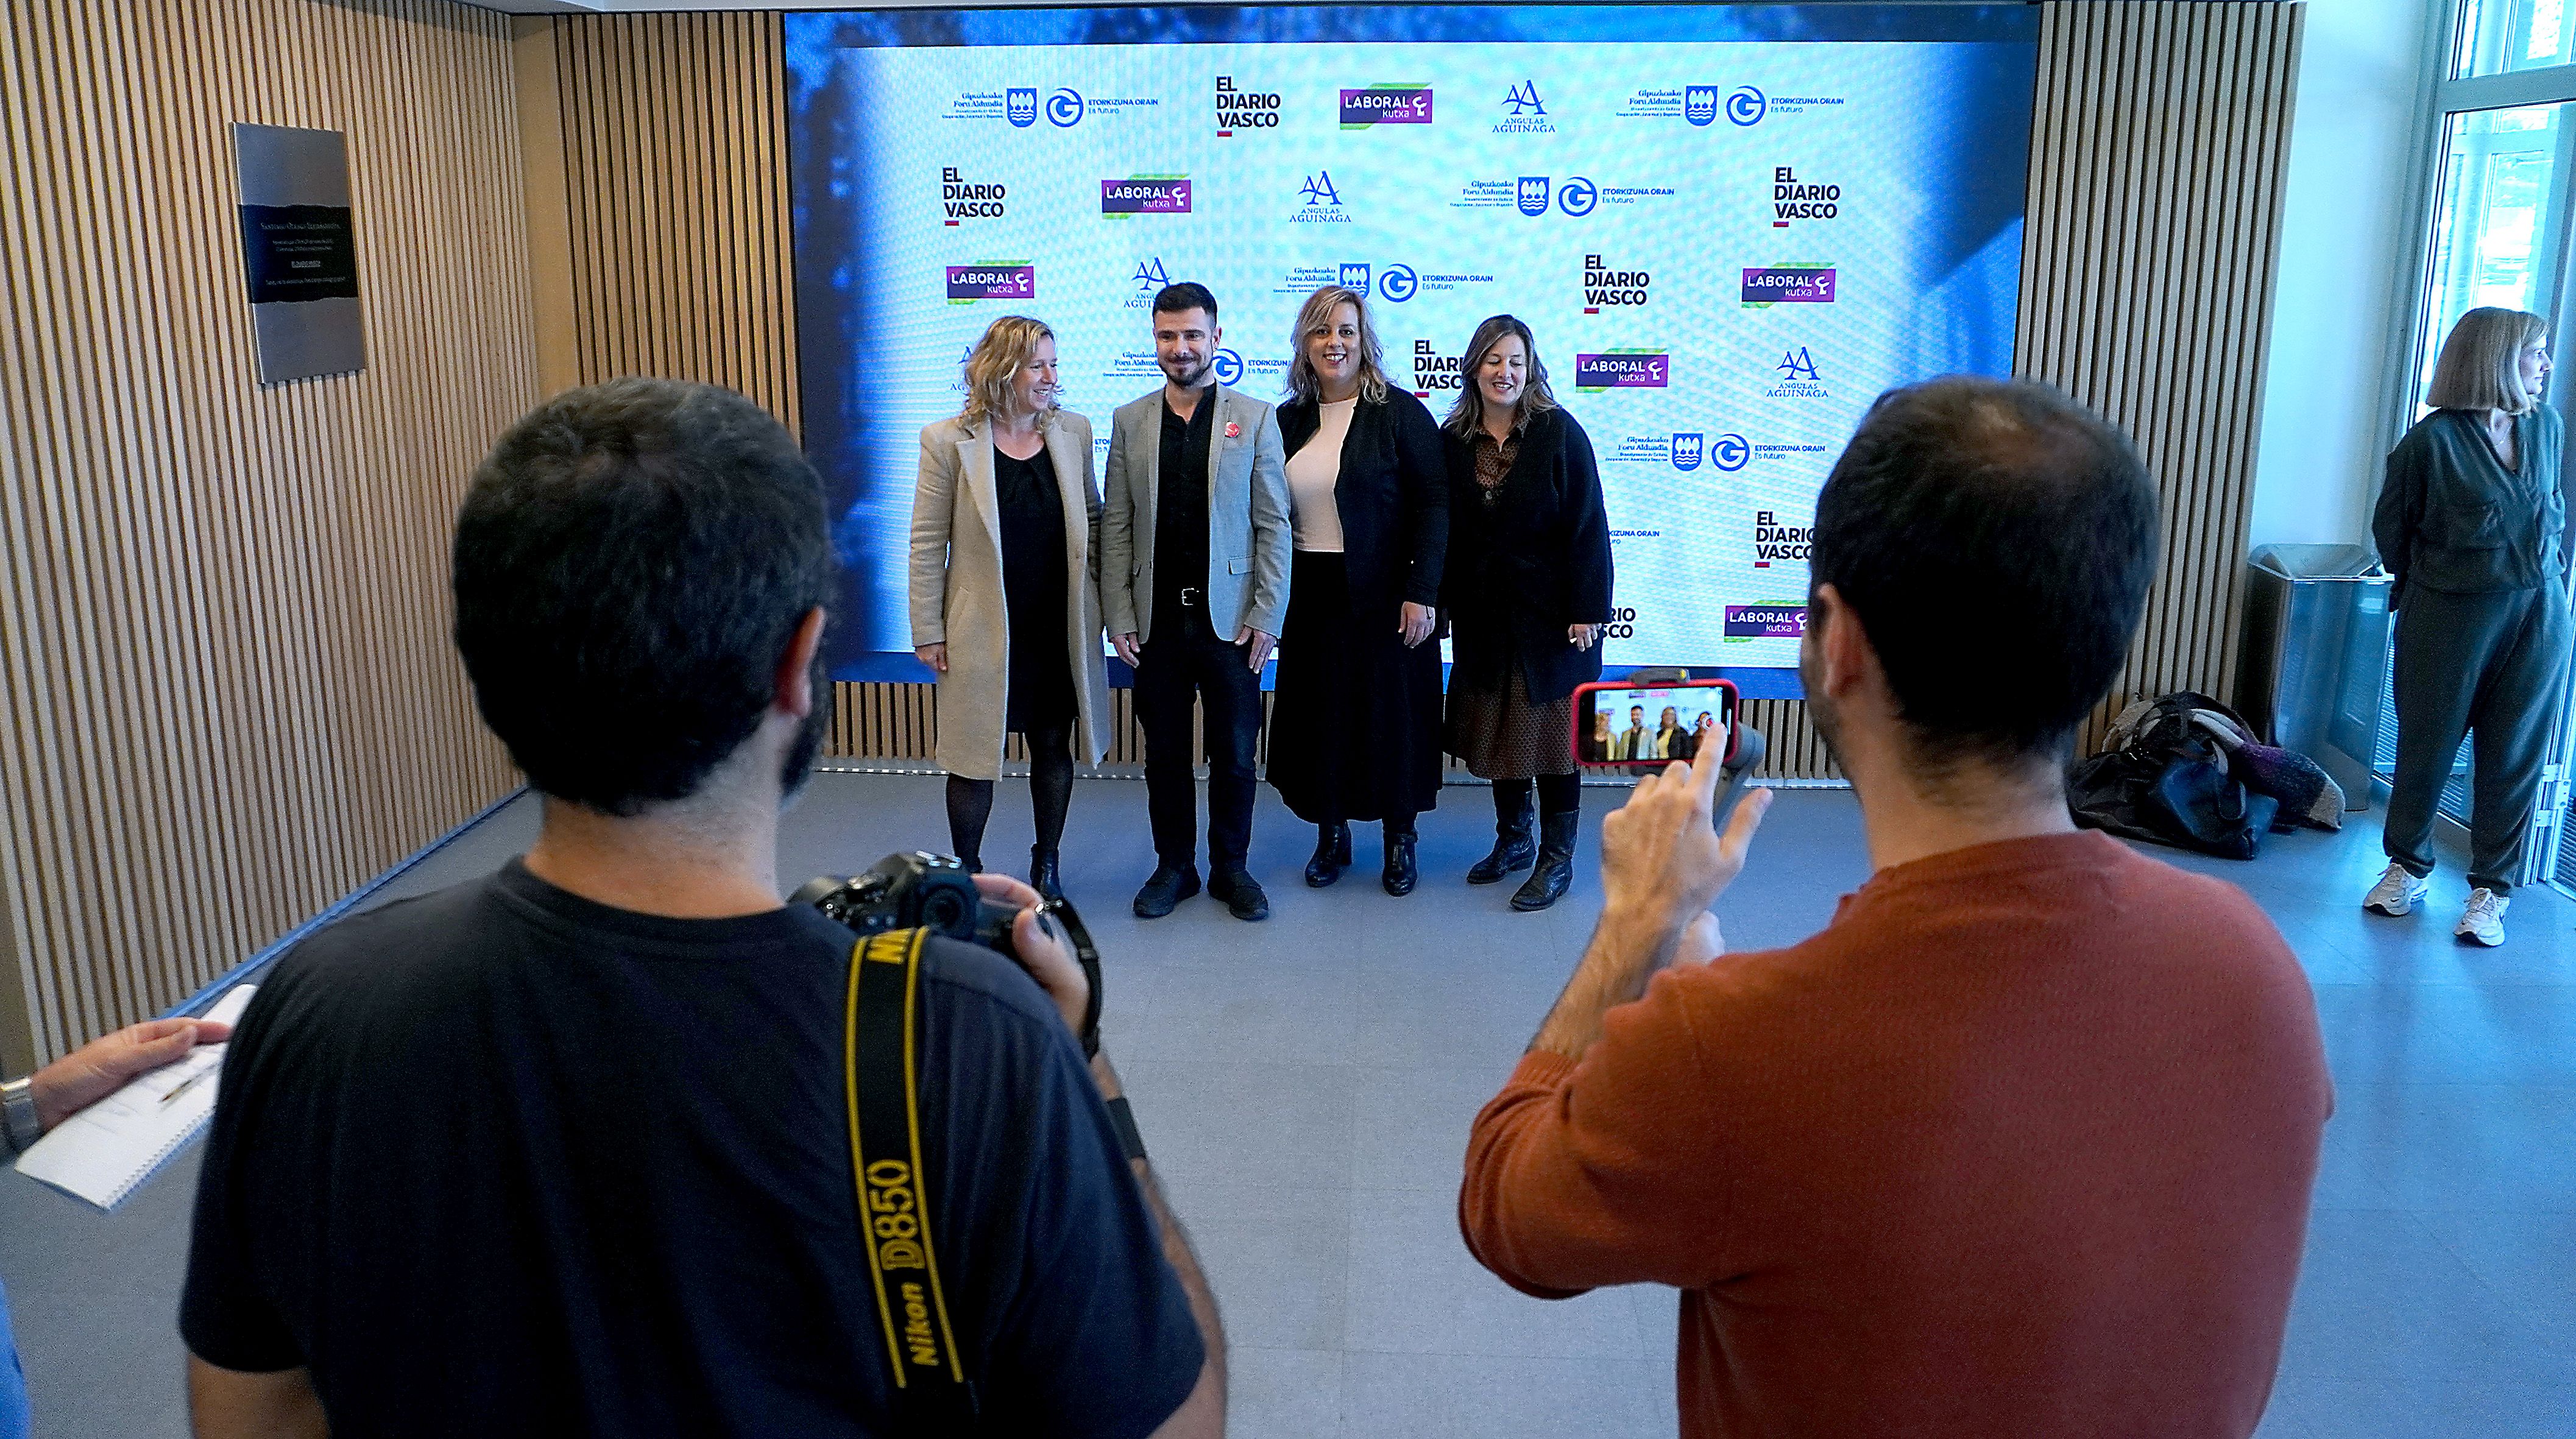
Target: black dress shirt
x=1181, y=511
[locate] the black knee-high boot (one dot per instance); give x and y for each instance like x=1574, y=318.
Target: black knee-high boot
x=1512, y=848
x=1560, y=817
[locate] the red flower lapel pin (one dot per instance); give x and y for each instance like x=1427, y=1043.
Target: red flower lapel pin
x=1233, y=431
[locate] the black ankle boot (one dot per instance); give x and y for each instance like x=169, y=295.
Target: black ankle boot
x=1512, y=848
x=1555, y=873
x=1332, y=854
x=1400, y=869
x=1043, y=875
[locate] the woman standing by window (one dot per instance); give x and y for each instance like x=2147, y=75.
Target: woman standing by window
x=2471, y=522
x=1528, y=592
x=1005, y=589
x=1355, y=725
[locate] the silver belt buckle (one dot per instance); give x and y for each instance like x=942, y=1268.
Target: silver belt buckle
x=1192, y=597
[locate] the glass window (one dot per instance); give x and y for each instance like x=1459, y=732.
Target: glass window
x=2499, y=187
x=2496, y=36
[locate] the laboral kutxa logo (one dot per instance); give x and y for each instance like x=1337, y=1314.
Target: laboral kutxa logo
x=1789, y=285
x=1385, y=103
x=1765, y=622
x=1623, y=370
x=1796, y=199
x=1146, y=195
x=1524, y=113
x=993, y=280
x=1241, y=109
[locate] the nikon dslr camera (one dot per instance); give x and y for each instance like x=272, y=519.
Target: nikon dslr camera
x=934, y=892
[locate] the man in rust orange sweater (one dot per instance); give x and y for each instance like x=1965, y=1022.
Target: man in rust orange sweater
x=2021, y=1144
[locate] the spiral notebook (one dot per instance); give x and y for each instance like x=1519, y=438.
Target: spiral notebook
x=107, y=1151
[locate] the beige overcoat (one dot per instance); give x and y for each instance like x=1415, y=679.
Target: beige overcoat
x=956, y=589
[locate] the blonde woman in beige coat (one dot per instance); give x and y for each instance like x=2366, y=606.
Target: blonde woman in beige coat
x=1006, y=589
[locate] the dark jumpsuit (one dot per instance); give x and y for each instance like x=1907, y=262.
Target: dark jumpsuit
x=2482, y=628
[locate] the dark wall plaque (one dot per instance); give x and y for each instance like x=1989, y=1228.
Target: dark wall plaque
x=299, y=251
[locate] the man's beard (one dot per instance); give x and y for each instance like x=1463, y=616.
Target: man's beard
x=798, y=766
x=1189, y=379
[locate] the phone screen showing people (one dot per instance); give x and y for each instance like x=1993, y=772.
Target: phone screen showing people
x=1651, y=725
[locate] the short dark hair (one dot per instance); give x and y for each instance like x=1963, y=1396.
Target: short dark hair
x=1187, y=295
x=631, y=564
x=1967, y=504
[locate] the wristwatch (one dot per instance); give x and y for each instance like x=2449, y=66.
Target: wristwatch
x=18, y=1122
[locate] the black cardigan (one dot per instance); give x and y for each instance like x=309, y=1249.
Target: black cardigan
x=1530, y=566
x=1393, y=498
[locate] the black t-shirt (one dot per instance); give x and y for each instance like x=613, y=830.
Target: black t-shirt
x=1181, y=507
x=503, y=1161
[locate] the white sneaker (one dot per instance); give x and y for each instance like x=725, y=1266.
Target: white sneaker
x=2396, y=892
x=2483, y=920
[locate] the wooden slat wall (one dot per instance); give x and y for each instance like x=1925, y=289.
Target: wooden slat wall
x=229, y=695
x=2157, y=164
x=675, y=175
x=2158, y=153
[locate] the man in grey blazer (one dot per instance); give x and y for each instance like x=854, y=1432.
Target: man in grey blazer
x=1194, y=549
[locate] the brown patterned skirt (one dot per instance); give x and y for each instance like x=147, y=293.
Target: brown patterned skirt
x=1501, y=735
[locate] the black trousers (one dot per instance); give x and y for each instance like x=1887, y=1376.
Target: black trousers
x=1185, y=663
x=2488, y=666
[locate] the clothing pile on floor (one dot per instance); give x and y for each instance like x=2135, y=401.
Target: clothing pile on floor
x=2187, y=771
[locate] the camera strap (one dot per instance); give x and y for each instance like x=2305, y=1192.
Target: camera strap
x=881, y=1035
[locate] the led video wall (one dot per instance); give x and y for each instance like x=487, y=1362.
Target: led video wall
x=1731, y=228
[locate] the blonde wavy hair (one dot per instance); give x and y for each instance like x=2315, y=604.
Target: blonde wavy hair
x=1009, y=343
x=1314, y=318
x=2481, y=363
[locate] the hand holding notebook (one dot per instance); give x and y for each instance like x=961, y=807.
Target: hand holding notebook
x=106, y=1150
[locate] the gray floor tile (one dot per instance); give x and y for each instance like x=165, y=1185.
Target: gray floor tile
x=2530, y=1259
x=1283, y=1393
x=1448, y=1396
x=1277, y=1259
x=1409, y=1127
x=2381, y=1298
x=1254, y=1125
x=2479, y=1147
x=2427, y=1409
x=1414, y=1289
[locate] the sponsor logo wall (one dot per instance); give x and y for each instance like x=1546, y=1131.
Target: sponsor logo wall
x=1726, y=247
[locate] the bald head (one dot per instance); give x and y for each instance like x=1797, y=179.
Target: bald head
x=1995, y=540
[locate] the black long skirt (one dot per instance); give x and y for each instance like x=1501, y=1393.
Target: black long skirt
x=1355, y=720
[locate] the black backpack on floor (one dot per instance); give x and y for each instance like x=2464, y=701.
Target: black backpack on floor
x=2165, y=778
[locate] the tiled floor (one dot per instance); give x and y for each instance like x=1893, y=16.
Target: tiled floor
x=1306, y=1087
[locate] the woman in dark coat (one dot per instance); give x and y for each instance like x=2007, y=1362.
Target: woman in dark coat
x=1527, y=592
x=1355, y=722
x=2471, y=522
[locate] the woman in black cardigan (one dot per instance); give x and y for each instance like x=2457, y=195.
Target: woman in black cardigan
x=1527, y=594
x=1355, y=723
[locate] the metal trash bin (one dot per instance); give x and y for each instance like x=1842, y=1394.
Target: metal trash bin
x=2315, y=658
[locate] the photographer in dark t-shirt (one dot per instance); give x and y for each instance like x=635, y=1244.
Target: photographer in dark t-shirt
x=566, y=1150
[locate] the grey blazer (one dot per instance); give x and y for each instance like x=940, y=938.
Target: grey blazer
x=957, y=598
x=1248, y=536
